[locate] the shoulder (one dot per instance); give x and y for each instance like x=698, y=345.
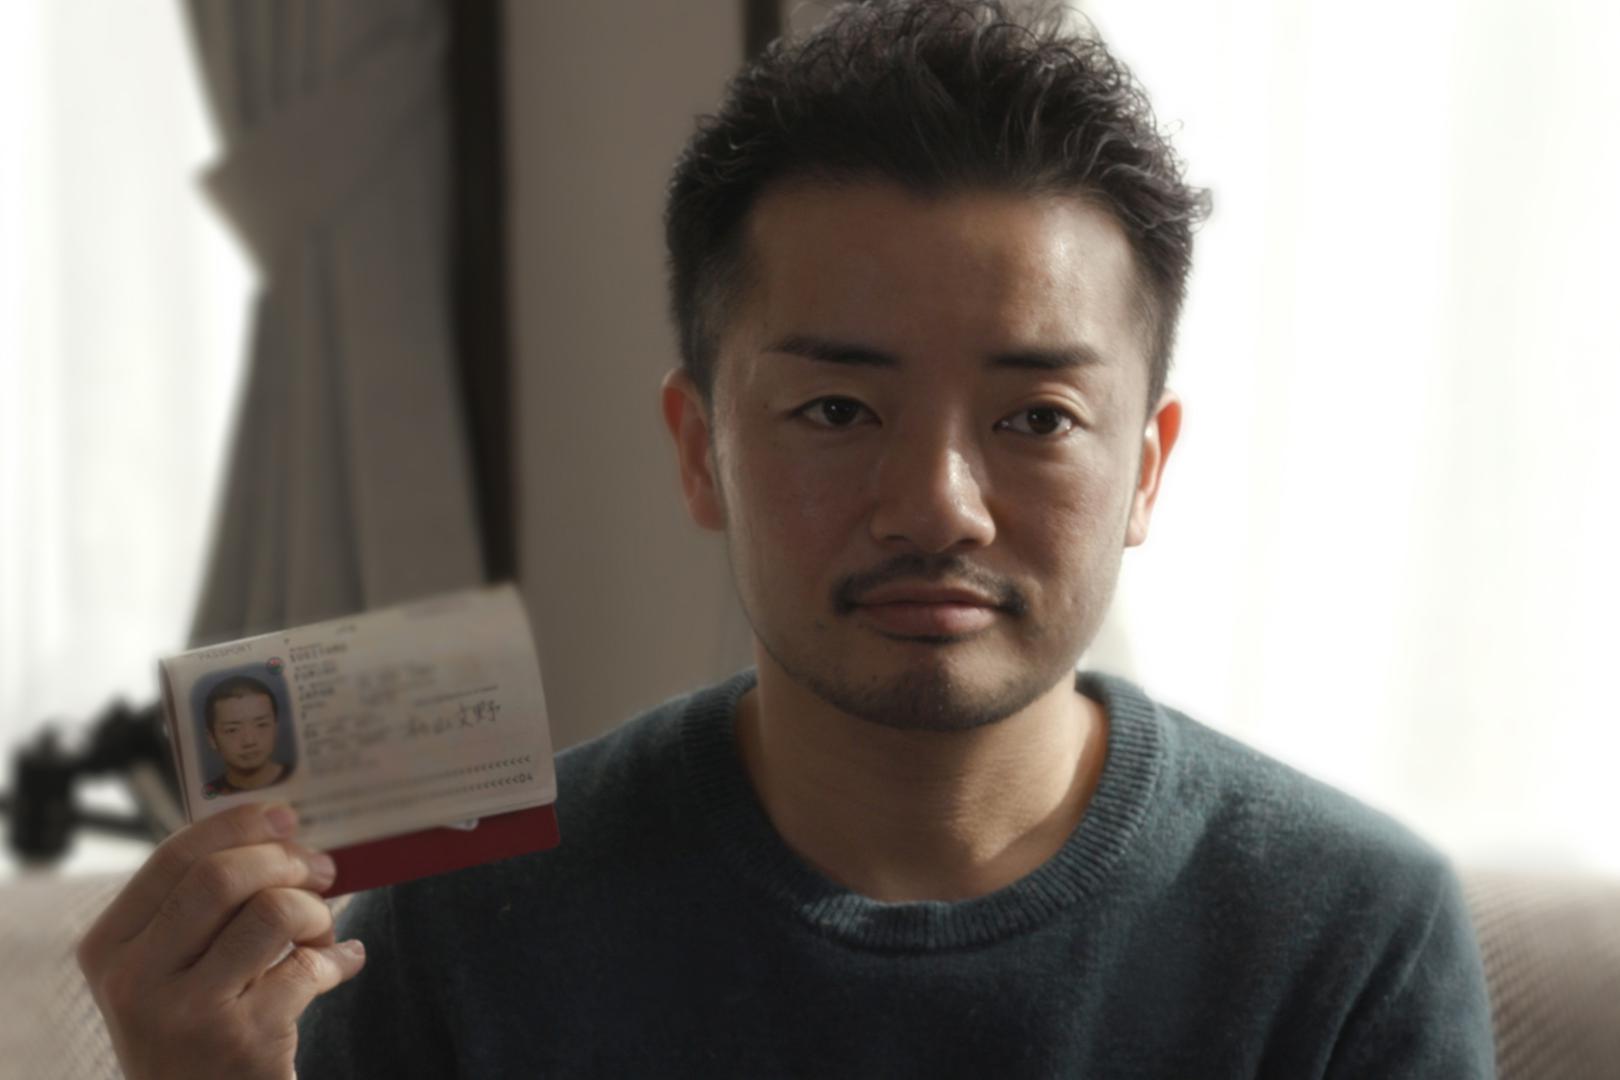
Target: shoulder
x=601, y=773
x=1260, y=811
x=1264, y=833
x=1361, y=923
x=628, y=788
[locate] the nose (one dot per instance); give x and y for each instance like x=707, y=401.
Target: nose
x=930, y=492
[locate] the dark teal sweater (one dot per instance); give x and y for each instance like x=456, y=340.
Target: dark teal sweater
x=1215, y=914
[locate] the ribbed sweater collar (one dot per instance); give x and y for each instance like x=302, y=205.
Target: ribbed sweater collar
x=726, y=802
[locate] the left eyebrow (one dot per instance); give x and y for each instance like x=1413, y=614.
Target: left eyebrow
x=1059, y=358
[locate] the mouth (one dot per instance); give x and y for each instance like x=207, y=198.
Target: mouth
x=927, y=594
x=928, y=611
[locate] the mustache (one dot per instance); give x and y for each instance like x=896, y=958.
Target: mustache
x=933, y=570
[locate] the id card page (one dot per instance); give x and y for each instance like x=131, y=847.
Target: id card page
x=411, y=740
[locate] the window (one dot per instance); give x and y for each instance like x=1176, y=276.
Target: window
x=123, y=305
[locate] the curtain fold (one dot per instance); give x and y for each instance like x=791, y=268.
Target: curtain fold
x=349, y=484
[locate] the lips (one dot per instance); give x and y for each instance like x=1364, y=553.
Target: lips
x=928, y=611
x=926, y=594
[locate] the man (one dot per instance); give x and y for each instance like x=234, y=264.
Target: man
x=926, y=267
x=240, y=715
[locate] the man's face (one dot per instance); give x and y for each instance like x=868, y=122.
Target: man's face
x=244, y=731
x=929, y=445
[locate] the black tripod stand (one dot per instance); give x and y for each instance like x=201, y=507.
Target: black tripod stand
x=124, y=742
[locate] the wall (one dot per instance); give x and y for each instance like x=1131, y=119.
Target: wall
x=630, y=601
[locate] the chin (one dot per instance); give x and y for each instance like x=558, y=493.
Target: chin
x=933, y=691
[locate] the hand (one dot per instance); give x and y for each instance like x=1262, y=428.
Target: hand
x=187, y=963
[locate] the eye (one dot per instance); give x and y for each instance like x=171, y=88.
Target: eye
x=833, y=412
x=1043, y=421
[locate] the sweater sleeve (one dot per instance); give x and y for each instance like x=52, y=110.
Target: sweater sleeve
x=384, y=1022
x=1424, y=1011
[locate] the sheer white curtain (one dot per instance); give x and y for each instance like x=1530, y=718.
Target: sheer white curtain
x=122, y=311
x=1386, y=547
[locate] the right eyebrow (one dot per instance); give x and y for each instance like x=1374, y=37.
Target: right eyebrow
x=833, y=352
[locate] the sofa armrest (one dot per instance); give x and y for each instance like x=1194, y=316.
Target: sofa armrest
x=1551, y=946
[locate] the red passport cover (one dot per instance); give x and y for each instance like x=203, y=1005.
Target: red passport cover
x=437, y=851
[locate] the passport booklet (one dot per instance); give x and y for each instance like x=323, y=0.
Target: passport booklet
x=412, y=740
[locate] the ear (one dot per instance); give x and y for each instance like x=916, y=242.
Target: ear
x=1158, y=439
x=213, y=743
x=687, y=418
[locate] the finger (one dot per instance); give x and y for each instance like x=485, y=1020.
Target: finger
x=214, y=888
x=139, y=900
x=271, y=920
x=282, y=994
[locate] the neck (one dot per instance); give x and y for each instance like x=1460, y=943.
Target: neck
x=267, y=773
x=920, y=815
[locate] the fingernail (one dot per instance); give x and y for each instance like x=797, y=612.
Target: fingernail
x=323, y=869
x=282, y=819
x=354, y=947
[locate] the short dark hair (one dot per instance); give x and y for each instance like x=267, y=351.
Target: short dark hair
x=938, y=96
x=234, y=687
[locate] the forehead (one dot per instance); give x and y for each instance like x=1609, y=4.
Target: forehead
x=873, y=262
x=244, y=707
